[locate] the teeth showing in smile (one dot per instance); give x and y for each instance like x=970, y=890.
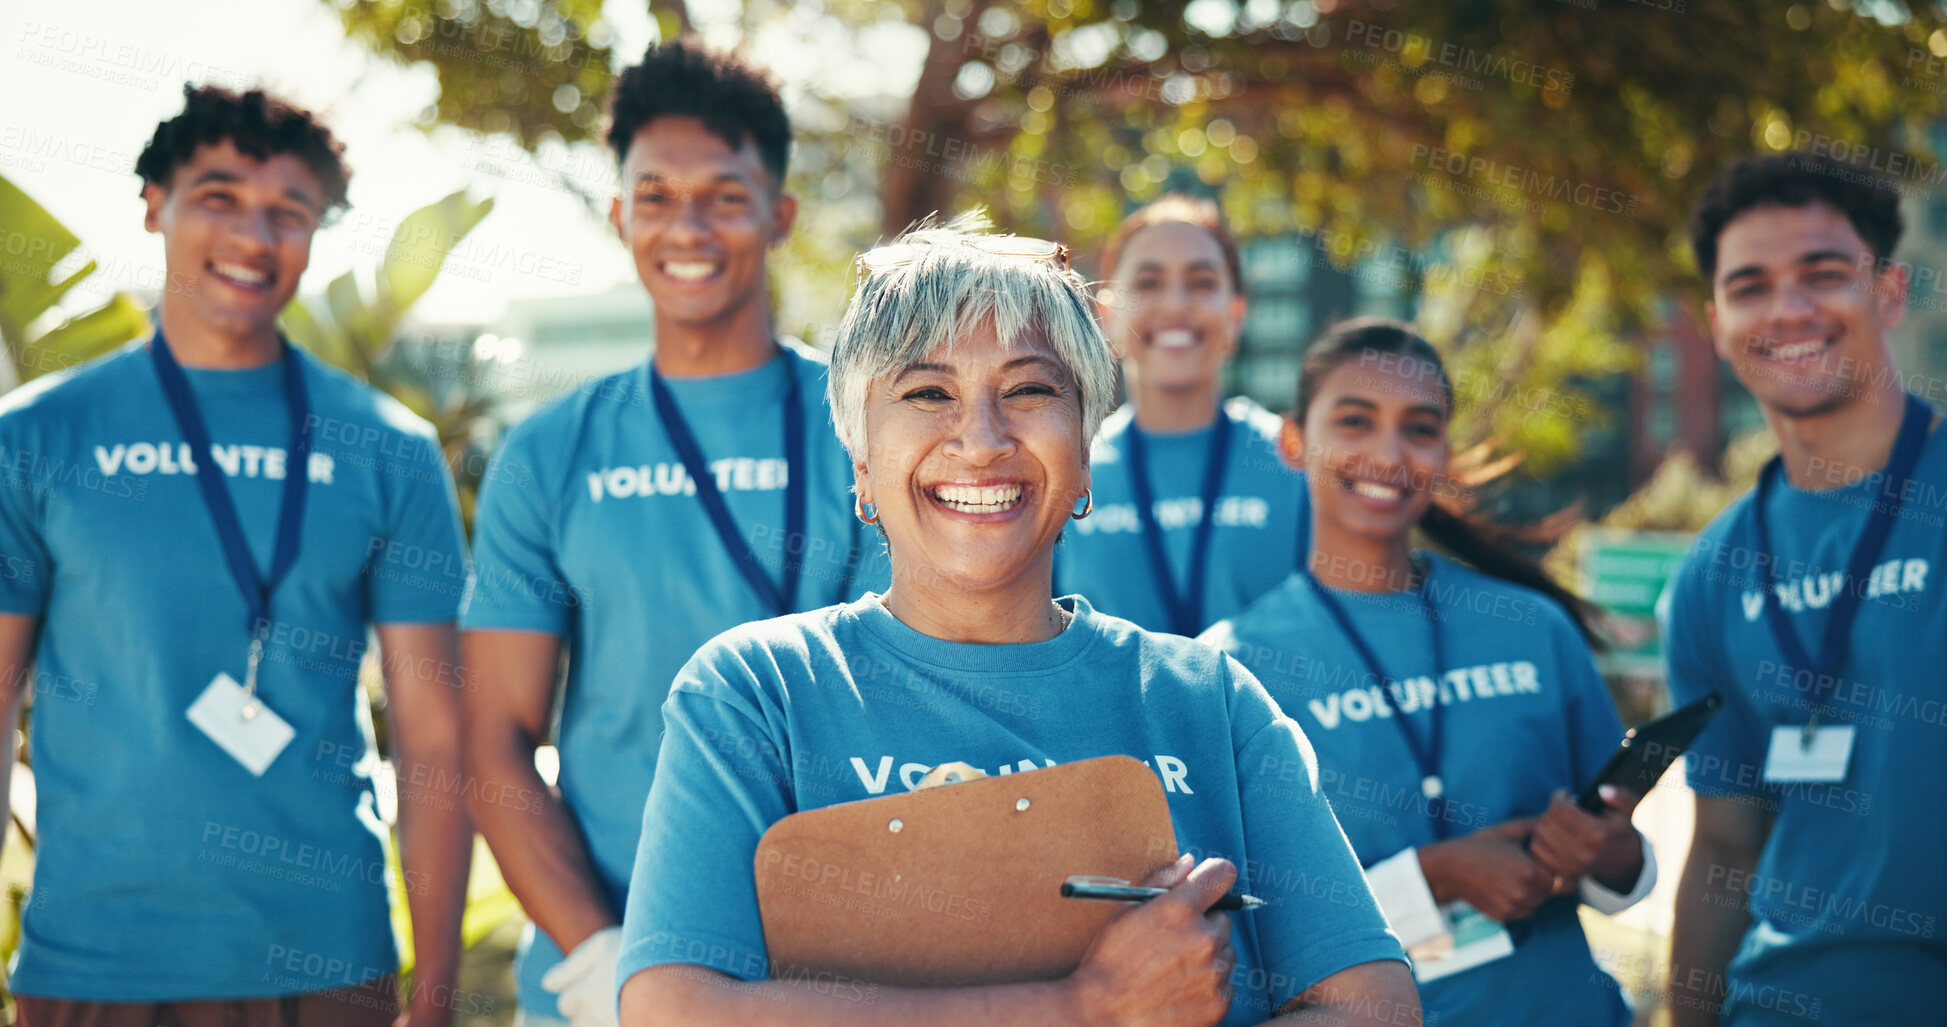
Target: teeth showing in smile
x=1374, y=490
x=689, y=270
x=978, y=499
x=1175, y=338
x=241, y=274
x=1797, y=350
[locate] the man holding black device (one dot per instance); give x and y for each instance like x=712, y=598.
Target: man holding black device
x=1814, y=888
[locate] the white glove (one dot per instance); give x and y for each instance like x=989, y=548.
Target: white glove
x=585, y=981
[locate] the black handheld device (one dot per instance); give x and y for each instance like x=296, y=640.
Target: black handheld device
x=1649, y=749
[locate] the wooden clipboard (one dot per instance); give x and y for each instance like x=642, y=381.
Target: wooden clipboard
x=959, y=884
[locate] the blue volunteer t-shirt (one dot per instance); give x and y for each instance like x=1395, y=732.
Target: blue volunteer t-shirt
x=1261, y=519
x=1848, y=899
x=1525, y=713
x=588, y=528
x=846, y=703
x=165, y=869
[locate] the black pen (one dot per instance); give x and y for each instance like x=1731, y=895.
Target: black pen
x=1115, y=889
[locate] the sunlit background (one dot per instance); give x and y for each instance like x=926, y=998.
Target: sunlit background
x=1512, y=174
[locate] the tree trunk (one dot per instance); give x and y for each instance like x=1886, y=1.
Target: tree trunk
x=907, y=191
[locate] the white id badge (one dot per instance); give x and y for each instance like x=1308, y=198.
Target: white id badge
x=1477, y=939
x=1790, y=759
x=253, y=741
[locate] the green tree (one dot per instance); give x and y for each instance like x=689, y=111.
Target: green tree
x=1548, y=143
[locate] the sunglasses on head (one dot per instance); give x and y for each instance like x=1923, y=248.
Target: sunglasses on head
x=899, y=254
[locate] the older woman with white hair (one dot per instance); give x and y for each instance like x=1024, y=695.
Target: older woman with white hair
x=967, y=379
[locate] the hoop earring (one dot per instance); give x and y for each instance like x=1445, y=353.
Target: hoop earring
x=864, y=511
x=1087, y=505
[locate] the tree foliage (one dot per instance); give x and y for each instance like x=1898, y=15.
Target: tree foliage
x=38, y=273
x=534, y=70
x=1528, y=163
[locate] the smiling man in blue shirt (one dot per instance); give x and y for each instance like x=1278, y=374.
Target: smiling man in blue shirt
x=1814, y=605
x=633, y=520
x=205, y=525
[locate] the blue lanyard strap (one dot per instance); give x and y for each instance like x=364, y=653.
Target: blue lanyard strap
x=680, y=436
x=1887, y=501
x=256, y=590
x=1426, y=755
x=1185, y=608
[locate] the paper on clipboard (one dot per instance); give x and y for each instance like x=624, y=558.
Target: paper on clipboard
x=961, y=884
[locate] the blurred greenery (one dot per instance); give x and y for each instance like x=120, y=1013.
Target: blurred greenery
x=1684, y=496
x=359, y=317
x=530, y=69
x=1581, y=135
x=38, y=335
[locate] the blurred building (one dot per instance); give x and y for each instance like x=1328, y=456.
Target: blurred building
x=547, y=346
x=1296, y=291
x=538, y=349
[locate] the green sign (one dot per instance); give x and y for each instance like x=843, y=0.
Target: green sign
x=1624, y=572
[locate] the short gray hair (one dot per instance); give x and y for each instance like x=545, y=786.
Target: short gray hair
x=900, y=315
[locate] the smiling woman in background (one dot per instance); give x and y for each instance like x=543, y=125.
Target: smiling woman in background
x=967, y=379
x=1195, y=514
x=1440, y=756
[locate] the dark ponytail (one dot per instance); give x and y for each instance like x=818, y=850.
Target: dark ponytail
x=1485, y=545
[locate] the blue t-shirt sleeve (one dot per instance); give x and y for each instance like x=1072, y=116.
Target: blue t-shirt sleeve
x=517, y=583
x=1322, y=917
x=25, y=571
x=418, y=573
x=720, y=783
x=1594, y=729
x=1726, y=759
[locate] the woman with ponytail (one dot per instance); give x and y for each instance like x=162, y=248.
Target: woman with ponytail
x=1195, y=516
x=1451, y=704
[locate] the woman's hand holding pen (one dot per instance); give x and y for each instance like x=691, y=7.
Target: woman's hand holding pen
x=1574, y=843
x=1489, y=870
x=1166, y=961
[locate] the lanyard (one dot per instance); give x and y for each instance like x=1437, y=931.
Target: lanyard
x=1185, y=608
x=1872, y=540
x=256, y=589
x=680, y=436
x=1426, y=755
